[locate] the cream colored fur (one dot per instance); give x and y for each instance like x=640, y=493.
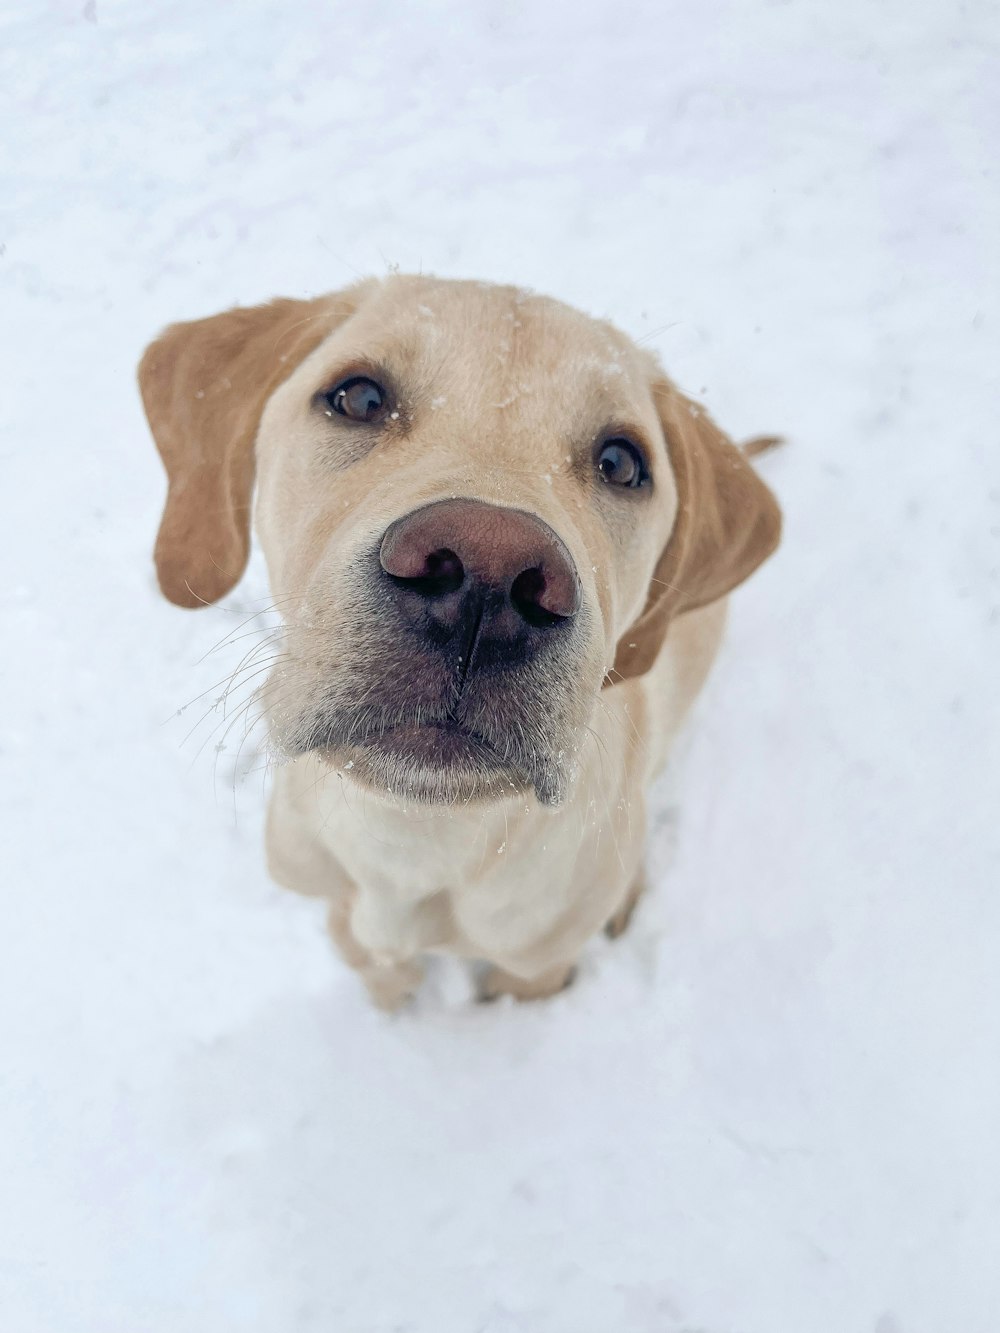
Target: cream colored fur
x=512, y=882
x=501, y=396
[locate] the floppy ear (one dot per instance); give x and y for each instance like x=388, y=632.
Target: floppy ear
x=204, y=385
x=727, y=524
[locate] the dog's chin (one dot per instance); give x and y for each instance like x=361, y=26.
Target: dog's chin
x=438, y=763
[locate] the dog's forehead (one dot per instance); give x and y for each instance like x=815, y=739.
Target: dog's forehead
x=481, y=336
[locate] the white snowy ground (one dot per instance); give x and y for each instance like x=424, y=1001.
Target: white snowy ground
x=775, y=1106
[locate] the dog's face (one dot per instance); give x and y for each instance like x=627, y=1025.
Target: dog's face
x=467, y=497
x=462, y=494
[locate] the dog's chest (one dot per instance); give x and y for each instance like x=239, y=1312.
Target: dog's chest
x=473, y=882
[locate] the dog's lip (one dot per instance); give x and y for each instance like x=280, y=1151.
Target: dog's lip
x=450, y=726
x=440, y=746
x=446, y=733
x=437, y=738
x=427, y=752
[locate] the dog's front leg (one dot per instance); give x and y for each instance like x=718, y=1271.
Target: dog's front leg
x=390, y=982
x=300, y=861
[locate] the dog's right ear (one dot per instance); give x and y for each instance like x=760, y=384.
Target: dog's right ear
x=727, y=524
x=204, y=385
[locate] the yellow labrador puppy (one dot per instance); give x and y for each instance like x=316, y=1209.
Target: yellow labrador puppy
x=501, y=541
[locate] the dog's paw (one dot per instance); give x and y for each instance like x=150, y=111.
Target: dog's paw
x=618, y=923
x=390, y=985
x=496, y=982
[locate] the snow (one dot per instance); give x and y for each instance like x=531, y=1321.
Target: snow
x=773, y=1105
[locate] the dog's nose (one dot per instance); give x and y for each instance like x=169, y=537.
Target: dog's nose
x=515, y=563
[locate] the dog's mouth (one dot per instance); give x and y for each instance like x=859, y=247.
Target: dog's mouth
x=440, y=744
x=437, y=761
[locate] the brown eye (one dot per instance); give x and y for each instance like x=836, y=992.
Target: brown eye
x=358, y=399
x=621, y=464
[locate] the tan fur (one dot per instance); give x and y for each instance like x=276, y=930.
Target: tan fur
x=204, y=385
x=727, y=524
x=501, y=396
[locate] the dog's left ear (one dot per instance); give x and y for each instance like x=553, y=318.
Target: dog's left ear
x=204, y=386
x=727, y=524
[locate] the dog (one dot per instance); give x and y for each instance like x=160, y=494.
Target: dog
x=501, y=542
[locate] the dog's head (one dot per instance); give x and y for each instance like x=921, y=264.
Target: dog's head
x=477, y=506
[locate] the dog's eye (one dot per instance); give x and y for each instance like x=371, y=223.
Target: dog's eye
x=621, y=464
x=358, y=399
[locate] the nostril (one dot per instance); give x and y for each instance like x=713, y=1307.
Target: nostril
x=444, y=570
x=439, y=573
x=532, y=598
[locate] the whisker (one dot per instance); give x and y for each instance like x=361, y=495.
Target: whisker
x=250, y=672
